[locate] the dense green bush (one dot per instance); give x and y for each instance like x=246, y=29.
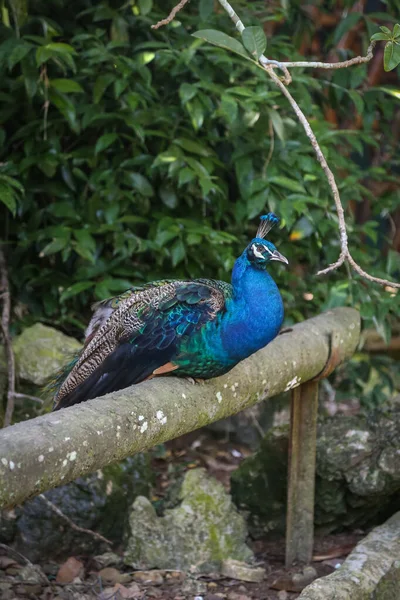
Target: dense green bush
x=129, y=154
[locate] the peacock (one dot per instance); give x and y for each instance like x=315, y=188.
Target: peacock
x=199, y=329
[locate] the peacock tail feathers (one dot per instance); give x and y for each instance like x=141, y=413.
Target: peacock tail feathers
x=148, y=318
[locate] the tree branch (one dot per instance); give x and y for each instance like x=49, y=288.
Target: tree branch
x=269, y=67
x=73, y=525
x=5, y=323
x=171, y=15
x=58, y=447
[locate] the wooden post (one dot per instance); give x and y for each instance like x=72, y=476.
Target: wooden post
x=301, y=476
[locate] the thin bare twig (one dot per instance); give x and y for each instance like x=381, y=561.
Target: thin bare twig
x=15, y=554
x=73, y=525
x=5, y=324
x=171, y=15
x=19, y=396
x=269, y=67
x=357, y=60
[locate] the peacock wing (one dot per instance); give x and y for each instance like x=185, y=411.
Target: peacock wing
x=136, y=334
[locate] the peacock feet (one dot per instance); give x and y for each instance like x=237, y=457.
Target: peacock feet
x=194, y=380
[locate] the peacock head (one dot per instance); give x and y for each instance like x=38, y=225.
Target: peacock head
x=260, y=251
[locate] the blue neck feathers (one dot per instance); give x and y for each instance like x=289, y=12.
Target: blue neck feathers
x=254, y=314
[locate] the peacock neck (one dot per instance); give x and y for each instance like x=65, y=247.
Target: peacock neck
x=254, y=314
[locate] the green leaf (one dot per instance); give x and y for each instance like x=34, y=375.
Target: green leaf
x=66, y=108
x=220, y=39
x=391, y=91
x=186, y=175
x=55, y=246
x=61, y=48
x=358, y=101
x=75, y=288
x=196, y=113
x=177, y=252
x=18, y=53
x=380, y=36
x=12, y=182
x=385, y=29
x=229, y=108
x=105, y=141
x=187, y=91
x=391, y=56
x=141, y=184
x=66, y=85
x=287, y=183
x=8, y=198
x=85, y=244
x=145, y=6
x=254, y=41
x=85, y=239
x=277, y=123
x=100, y=86
x=192, y=146
x=206, y=8
x=396, y=31
x=168, y=197
x=345, y=26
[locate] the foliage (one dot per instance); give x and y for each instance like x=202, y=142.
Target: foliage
x=129, y=154
x=391, y=57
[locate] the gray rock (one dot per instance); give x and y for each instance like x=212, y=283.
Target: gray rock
x=99, y=502
x=40, y=351
x=358, y=474
x=370, y=572
x=200, y=533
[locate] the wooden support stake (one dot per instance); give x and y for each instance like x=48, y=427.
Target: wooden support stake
x=301, y=476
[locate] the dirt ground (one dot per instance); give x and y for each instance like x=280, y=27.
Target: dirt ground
x=105, y=577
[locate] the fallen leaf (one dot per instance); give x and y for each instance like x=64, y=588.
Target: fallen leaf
x=111, y=576
x=71, y=569
x=133, y=591
x=148, y=577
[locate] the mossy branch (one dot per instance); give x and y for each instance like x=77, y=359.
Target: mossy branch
x=54, y=449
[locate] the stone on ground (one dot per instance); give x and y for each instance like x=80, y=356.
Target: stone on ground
x=40, y=351
x=198, y=534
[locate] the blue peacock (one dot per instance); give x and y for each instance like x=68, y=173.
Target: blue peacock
x=200, y=328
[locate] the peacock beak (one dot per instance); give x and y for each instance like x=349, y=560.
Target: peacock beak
x=278, y=256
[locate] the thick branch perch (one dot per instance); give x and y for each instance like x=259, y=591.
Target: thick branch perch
x=56, y=448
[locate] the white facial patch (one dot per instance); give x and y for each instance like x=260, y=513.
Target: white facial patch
x=256, y=252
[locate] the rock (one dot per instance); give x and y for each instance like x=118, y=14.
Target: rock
x=358, y=474
x=200, y=533
x=40, y=351
x=148, y=577
x=98, y=501
x=32, y=574
x=107, y=559
x=239, y=570
x=372, y=570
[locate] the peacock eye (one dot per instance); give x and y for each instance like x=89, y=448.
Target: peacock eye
x=258, y=251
